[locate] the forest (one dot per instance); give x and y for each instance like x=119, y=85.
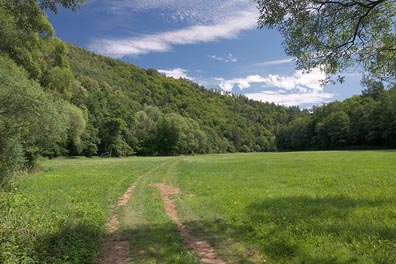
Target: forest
x=57, y=99
x=365, y=121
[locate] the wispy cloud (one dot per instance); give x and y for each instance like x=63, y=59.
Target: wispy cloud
x=274, y=62
x=162, y=42
x=290, y=99
x=190, y=11
x=176, y=73
x=229, y=58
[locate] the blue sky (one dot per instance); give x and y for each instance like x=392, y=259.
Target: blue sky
x=215, y=43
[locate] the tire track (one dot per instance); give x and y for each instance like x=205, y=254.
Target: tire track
x=201, y=248
x=114, y=249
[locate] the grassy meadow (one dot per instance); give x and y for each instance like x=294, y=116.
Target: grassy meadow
x=300, y=207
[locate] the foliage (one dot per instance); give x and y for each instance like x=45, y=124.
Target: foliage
x=24, y=28
x=53, y=4
x=31, y=121
x=168, y=134
x=361, y=121
x=334, y=35
x=165, y=116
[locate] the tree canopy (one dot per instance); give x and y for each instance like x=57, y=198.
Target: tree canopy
x=335, y=35
x=53, y=4
x=365, y=121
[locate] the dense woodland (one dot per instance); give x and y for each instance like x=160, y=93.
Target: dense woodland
x=365, y=121
x=57, y=99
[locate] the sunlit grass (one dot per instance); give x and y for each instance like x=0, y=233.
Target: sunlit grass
x=309, y=207
x=302, y=207
x=58, y=215
x=153, y=236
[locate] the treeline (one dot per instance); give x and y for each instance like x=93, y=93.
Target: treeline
x=365, y=121
x=57, y=99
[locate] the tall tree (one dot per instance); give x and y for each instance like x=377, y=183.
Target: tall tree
x=334, y=35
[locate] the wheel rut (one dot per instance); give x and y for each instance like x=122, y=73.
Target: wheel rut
x=201, y=248
x=114, y=249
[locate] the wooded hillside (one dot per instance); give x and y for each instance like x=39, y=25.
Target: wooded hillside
x=157, y=115
x=58, y=99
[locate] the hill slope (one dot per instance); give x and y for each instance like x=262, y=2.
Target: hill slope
x=93, y=105
x=146, y=100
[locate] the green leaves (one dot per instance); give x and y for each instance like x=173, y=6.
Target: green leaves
x=53, y=4
x=335, y=35
x=361, y=121
x=168, y=134
x=32, y=121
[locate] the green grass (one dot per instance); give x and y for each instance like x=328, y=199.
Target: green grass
x=308, y=207
x=154, y=237
x=302, y=207
x=58, y=216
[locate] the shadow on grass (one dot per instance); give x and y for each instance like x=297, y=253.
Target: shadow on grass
x=322, y=230
x=157, y=243
x=152, y=243
x=163, y=243
x=72, y=244
x=287, y=230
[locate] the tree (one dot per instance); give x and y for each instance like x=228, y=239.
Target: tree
x=113, y=144
x=168, y=134
x=373, y=88
x=335, y=35
x=59, y=81
x=32, y=122
x=53, y=4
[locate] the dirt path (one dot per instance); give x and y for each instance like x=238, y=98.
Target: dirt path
x=201, y=248
x=114, y=249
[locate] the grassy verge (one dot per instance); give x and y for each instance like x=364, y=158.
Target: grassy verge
x=58, y=215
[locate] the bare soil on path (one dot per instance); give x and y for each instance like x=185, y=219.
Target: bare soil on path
x=114, y=249
x=201, y=248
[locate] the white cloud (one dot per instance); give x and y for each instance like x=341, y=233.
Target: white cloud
x=176, y=73
x=243, y=83
x=290, y=99
x=300, y=88
x=299, y=81
x=162, y=42
x=229, y=58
